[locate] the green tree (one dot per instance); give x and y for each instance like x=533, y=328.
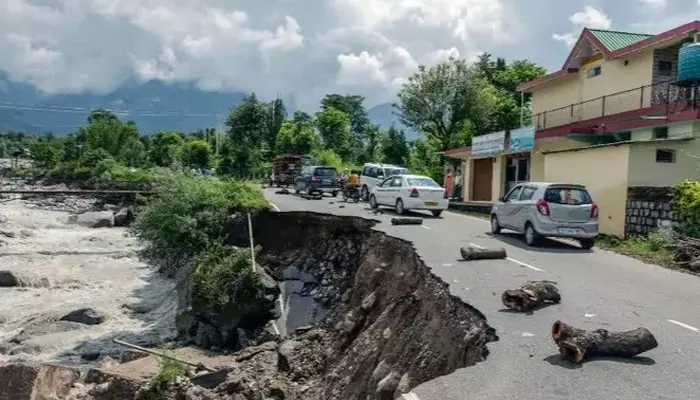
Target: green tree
x=351, y=105
x=247, y=131
x=165, y=148
x=296, y=139
x=442, y=102
x=276, y=115
x=334, y=128
x=47, y=154
x=374, y=137
x=196, y=153
x=394, y=147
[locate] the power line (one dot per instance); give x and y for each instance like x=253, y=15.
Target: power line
x=82, y=110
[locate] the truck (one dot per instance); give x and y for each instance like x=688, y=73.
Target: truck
x=286, y=168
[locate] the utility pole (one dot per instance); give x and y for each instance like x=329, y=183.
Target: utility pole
x=522, y=109
x=252, y=245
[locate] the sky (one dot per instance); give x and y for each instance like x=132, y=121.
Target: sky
x=298, y=48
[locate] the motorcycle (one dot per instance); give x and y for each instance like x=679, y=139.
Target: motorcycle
x=351, y=192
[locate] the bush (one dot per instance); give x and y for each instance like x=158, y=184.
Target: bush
x=168, y=371
x=189, y=214
x=224, y=277
x=686, y=202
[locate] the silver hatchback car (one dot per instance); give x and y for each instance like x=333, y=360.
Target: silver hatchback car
x=540, y=209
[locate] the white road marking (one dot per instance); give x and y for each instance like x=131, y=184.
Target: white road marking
x=274, y=207
x=410, y=396
x=589, y=315
x=686, y=326
x=512, y=260
x=446, y=265
x=426, y=227
x=528, y=334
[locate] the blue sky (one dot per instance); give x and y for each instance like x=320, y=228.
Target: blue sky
x=303, y=48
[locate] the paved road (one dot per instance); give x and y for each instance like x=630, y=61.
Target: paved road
x=599, y=290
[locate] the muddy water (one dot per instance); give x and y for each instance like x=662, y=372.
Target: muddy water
x=86, y=267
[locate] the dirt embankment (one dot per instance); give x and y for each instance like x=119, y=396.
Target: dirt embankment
x=379, y=323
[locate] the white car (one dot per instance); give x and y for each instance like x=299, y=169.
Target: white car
x=373, y=174
x=410, y=192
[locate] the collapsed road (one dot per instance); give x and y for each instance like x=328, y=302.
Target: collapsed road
x=599, y=290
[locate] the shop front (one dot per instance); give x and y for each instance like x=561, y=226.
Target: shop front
x=486, y=171
x=521, y=141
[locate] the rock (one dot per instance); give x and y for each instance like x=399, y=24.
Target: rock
x=8, y=234
x=44, y=329
x=294, y=274
x=108, y=362
x=210, y=380
x=132, y=355
x=404, y=385
x=25, y=233
x=382, y=369
x=93, y=219
x=21, y=279
x=87, y=316
x=389, y=383
x=369, y=301
x=124, y=216
x=27, y=381
x=110, y=207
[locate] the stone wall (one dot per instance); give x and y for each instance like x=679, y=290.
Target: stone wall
x=649, y=208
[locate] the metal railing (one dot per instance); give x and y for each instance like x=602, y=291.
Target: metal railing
x=665, y=93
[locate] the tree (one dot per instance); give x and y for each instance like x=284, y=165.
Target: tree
x=165, y=148
x=374, y=137
x=105, y=131
x=334, y=127
x=353, y=106
x=442, y=101
x=196, y=153
x=394, y=148
x=47, y=154
x=247, y=132
x=296, y=139
x=276, y=115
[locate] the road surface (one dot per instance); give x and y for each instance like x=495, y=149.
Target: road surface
x=599, y=290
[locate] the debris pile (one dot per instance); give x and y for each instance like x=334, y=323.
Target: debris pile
x=531, y=295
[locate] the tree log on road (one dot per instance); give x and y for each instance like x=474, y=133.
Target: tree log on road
x=579, y=344
x=407, y=221
x=531, y=295
x=470, y=253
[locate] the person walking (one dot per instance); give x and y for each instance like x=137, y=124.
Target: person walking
x=458, y=186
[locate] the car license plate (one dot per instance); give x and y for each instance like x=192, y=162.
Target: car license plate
x=326, y=181
x=569, y=231
x=431, y=203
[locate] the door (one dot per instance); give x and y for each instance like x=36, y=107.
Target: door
x=483, y=176
x=381, y=191
x=394, y=190
x=509, y=209
x=523, y=206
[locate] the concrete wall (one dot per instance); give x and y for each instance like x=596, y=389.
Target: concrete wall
x=562, y=92
x=645, y=171
x=604, y=171
x=467, y=174
x=498, y=182
x=548, y=144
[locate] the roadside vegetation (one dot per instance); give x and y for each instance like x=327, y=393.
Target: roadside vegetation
x=655, y=248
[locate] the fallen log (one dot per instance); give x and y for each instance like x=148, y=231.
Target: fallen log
x=470, y=253
x=282, y=191
x=407, y=221
x=531, y=295
x=579, y=344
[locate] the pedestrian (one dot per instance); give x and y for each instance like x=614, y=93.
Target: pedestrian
x=447, y=184
x=458, y=186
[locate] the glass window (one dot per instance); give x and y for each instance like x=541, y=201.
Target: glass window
x=595, y=71
x=326, y=172
x=527, y=193
x=385, y=183
x=396, y=182
x=514, y=194
x=660, y=132
x=665, y=156
x=567, y=195
x=425, y=182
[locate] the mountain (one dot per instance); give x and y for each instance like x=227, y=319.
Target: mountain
x=153, y=105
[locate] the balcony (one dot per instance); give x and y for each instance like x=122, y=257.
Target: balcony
x=661, y=99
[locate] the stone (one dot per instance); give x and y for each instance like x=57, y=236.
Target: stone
x=124, y=216
x=132, y=355
x=93, y=219
x=21, y=279
x=389, y=383
x=27, y=381
x=8, y=234
x=210, y=380
x=404, y=385
x=294, y=274
x=655, y=214
x=87, y=316
x=381, y=370
x=369, y=301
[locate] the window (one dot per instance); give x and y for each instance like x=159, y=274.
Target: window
x=385, y=183
x=396, y=182
x=665, y=156
x=595, y=71
x=665, y=68
x=527, y=193
x=660, y=132
x=514, y=194
x=372, y=172
x=567, y=195
x=422, y=182
x=365, y=171
x=325, y=172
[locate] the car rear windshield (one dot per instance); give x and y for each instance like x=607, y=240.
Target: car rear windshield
x=395, y=171
x=329, y=172
x=422, y=182
x=567, y=195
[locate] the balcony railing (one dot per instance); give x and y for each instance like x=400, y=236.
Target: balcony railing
x=666, y=93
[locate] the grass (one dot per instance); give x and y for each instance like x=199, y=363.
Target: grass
x=654, y=248
x=168, y=371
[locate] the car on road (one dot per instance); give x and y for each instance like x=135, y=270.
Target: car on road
x=409, y=192
x=541, y=209
x=372, y=174
x=317, y=179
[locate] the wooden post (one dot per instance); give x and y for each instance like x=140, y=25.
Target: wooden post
x=252, y=245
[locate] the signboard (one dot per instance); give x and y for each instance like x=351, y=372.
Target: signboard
x=521, y=139
x=490, y=144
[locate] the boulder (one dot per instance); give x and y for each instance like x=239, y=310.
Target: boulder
x=28, y=381
x=87, y=316
x=93, y=219
x=124, y=216
x=22, y=279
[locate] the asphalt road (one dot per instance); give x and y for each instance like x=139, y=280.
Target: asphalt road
x=599, y=290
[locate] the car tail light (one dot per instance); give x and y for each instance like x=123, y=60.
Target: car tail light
x=542, y=207
x=444, y=195
x=414, y=193
x=594, y=210
x=315, y=178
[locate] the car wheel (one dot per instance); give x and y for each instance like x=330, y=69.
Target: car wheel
x=495, y=227
x=309, y=191
x=399, y=207
x=345, y=196
x=436, y=213
x=532, y=238
x=587, y=244
x=364, y=193
x=373, y=202
x=334, y=194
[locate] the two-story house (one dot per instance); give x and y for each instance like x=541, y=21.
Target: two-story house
x=612, y=118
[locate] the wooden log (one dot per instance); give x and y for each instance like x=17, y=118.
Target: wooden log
x=531, y=295
x=407, y=221
x=470, y=253
x=579, y=344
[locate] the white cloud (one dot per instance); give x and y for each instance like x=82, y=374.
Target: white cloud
x=590, y=17
x=654, y=4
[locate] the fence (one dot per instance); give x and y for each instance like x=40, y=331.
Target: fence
x=665, y=93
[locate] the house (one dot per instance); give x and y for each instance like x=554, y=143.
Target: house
x=613, y=118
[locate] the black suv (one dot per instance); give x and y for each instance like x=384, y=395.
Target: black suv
x=317, y=180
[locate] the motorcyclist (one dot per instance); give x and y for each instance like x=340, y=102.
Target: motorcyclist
x=352, y=183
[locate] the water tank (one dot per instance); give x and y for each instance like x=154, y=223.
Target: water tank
x=689, y=63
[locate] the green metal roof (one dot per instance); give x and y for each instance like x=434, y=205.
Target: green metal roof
x=616, y=40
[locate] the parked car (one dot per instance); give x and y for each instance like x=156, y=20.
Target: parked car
x=317, y=179
x=409, y=192
x=372, y=174
x=540, y=209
